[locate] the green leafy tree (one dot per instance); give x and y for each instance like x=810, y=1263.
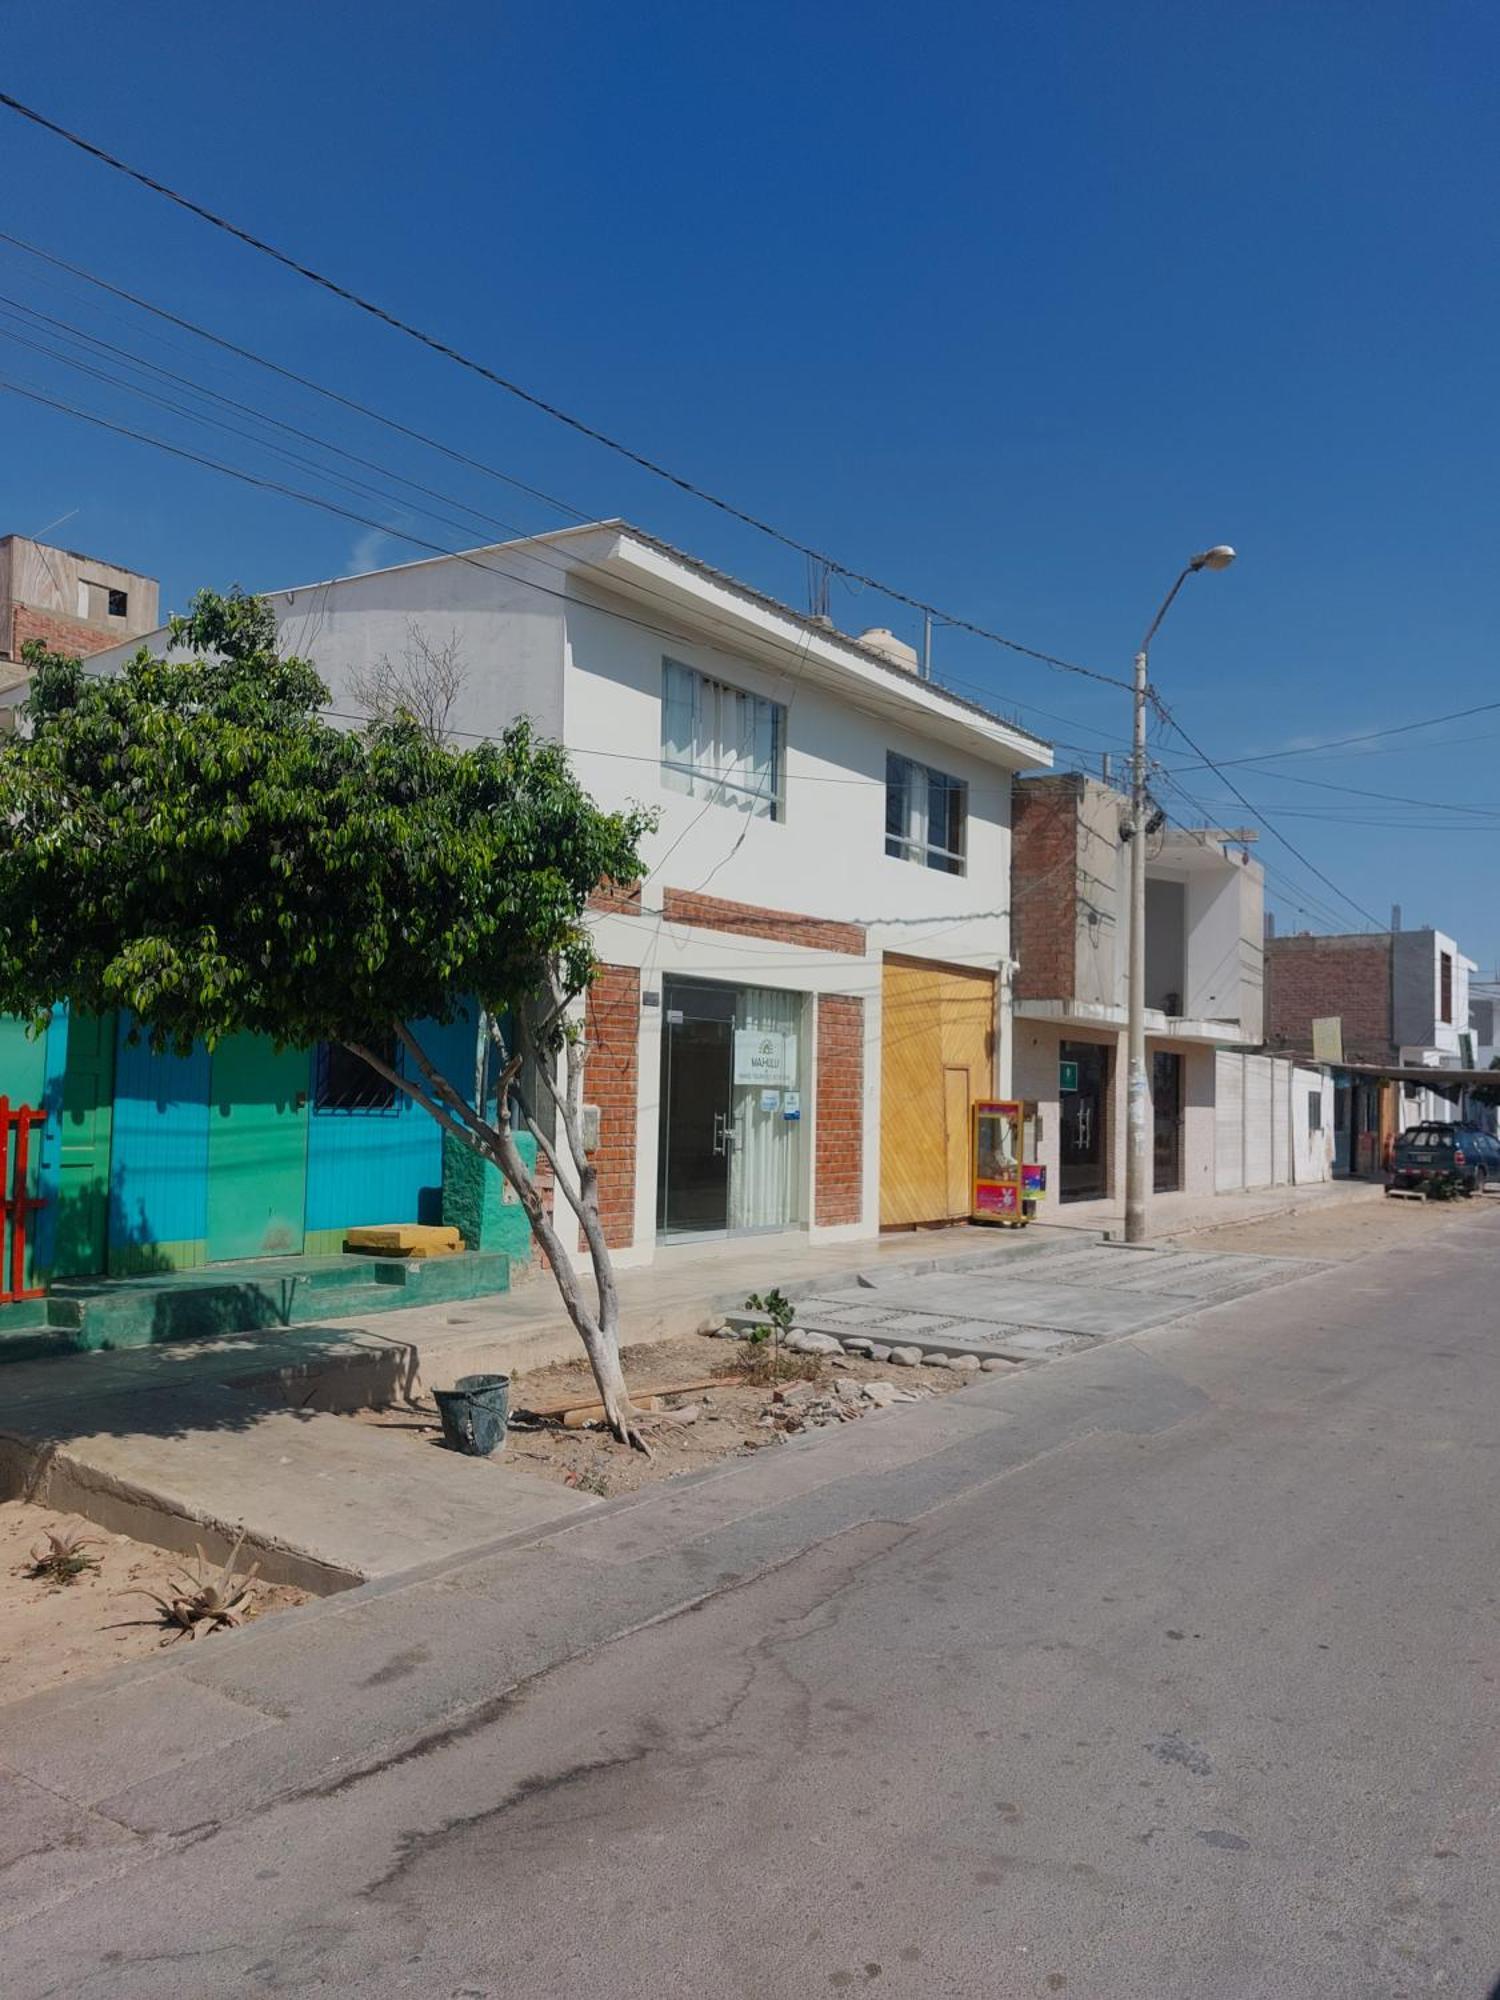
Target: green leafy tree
x=193, y=841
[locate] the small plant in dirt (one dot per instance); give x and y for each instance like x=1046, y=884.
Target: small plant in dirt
x=206, y=1600
x=778, y=1310
x=62, y=1554
x=765, y=1357
x=589, y=1480
x=766, y=1363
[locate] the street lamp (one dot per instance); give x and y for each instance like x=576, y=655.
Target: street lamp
x=1138, y=1101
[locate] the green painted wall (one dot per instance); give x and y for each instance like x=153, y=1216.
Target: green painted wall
x=257, y=1149
x=23, y=1063
x=81, y=1232
x=475, y=1200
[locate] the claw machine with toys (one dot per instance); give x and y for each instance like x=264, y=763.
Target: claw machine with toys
x=1006, y=1184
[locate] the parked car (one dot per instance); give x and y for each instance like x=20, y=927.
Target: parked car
x=1442, y=1160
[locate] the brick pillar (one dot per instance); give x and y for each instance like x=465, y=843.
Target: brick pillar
x=614, y=1036
x=838, y=1186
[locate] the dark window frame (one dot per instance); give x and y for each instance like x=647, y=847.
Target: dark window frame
x=916, y=794
x=344, y=1085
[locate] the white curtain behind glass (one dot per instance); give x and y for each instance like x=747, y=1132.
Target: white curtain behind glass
x=765, y=1171
x=718, y=742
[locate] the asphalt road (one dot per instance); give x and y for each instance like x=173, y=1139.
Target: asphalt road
x=1200, y=1705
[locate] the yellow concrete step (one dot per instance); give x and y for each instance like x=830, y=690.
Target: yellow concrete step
x=404, y=1239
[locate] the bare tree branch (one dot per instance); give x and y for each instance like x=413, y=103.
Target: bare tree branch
x=425, y=683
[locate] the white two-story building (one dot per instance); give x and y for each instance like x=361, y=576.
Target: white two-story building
x=807, y=989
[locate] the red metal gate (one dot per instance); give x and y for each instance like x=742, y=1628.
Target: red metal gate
x=17, y=1204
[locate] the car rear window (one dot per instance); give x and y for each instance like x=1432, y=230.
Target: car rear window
x=1429, y=1142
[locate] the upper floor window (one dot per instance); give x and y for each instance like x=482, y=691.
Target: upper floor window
x=926, y=813
x=119, y=603
x=717, y=742
x=1445, y=985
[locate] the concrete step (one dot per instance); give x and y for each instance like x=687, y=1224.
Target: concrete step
x=85, y=1315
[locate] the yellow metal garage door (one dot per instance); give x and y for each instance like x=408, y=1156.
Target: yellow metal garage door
x=937, y=1046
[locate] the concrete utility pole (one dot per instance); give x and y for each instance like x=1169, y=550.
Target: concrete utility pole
x=1138, y=1102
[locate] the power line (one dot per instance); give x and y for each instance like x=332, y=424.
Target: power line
x=874, y=699
x=290, y=375
x=1264, y=818
x=1300, y=898
x=1364, y=792
x=550, y=409
x=944, y=679
x=1367, y=736
x=76, y=335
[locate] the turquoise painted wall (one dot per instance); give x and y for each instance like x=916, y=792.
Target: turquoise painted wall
x=361, y=1166
x=385, y=1166
x=158, y=1181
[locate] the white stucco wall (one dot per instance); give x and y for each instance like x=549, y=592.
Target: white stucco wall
x=1225, y=914
x=554, y=634
x=1312, y=1151
x=825, y=858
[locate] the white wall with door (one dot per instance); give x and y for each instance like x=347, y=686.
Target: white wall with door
x=1273, y=1122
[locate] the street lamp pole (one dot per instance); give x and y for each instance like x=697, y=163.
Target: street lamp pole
x=1138, y=1100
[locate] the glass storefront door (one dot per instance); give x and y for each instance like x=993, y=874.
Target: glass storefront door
x=730, y=1133
x=1083, y=1111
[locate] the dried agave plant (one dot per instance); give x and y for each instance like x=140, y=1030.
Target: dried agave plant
x=205, y=1599
x=60, y=1555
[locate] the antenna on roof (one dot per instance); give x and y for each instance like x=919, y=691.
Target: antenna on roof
x=819, y=581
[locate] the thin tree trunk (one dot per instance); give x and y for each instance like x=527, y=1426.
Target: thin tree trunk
x=599, y=1330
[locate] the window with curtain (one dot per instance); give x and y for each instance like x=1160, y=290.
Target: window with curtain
x=717, y=742
x=926, y=813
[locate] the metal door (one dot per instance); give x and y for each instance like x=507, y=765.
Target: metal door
x=81, y=1242
x=1166, y=1112
x=1083, y=1152
x=257, y=1149
x=696, y=1129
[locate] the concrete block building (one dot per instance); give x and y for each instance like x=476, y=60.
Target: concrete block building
x=70, y=603
x=1401, y=1001
x=1070, y=903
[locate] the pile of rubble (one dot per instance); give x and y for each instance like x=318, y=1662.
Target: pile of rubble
x=802, y=1406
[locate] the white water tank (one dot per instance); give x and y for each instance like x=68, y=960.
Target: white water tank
x=880, y=639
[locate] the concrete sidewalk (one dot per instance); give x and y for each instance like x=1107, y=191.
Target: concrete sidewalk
x=526, y=1327
x=190, y=1444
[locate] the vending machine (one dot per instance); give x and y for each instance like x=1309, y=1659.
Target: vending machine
x=1007, y=1186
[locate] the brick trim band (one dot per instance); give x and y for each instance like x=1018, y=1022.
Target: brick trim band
x=712, y=913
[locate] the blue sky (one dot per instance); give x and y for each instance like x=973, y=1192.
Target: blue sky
x=1016, y=307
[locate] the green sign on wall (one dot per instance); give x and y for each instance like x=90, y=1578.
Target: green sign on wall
x=1067, y=1076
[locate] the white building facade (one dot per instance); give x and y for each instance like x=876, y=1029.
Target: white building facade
x=808, y=987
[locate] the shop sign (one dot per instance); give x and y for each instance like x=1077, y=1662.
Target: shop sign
x=768, y=1059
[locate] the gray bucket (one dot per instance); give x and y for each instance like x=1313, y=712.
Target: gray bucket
x=474, y=1413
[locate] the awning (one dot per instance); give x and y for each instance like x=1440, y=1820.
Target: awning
x=1436, y=1079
